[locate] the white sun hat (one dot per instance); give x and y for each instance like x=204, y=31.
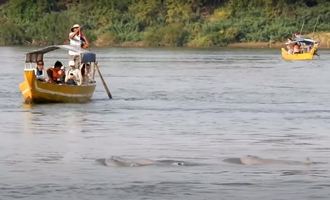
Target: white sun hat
x=75, y=26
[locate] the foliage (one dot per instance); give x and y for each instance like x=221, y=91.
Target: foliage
x=169, y=35
x=147, y=12
x=152, y=37
x=201, y=41
x=194, y=23
x=10, y=33
x=173, y=35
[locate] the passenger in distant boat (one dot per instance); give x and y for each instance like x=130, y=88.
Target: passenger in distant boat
x=73, y=75
x=289, y=41
x=297, y=35
x=296, y=48
x=290, y=49
x=308, y=48
x=289, y=46
x=56, y=74
x=40, y=71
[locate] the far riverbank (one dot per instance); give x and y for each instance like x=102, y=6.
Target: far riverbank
x=322, y=37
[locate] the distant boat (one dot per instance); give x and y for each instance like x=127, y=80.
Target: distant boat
x=308, y=49
x=36, y=91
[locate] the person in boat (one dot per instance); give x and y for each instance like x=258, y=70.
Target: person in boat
x=56, y=74
x=290, y=49
x=296, y=48
x=73, y=75
x=297, y=36
x=308, y=48
x=40, y=71
x=78, y=40
x=86, y=72
x=289, y=46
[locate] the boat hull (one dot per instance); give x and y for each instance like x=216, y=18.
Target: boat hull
x=35, y=91
x=300, y=56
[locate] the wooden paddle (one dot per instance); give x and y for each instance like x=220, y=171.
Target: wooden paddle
x=104, y=84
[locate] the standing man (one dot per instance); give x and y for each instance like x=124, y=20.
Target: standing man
x=77, y=40
x=77, y=37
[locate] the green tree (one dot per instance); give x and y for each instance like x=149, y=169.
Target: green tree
x=147, y=12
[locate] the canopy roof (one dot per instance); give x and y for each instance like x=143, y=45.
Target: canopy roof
x=300, y=40
x=37, y=55
x=305, y=40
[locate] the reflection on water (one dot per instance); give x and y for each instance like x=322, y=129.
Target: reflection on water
x=196, y=106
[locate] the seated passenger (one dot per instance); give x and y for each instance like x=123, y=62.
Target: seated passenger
x=85, y=72
x=296, y=49
x=56, y=73
x=40, y=71
x=73, y=75
x=290, y=49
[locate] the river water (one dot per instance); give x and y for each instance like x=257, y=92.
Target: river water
x=198, y=106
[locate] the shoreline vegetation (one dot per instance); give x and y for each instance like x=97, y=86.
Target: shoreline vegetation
x=165, y=23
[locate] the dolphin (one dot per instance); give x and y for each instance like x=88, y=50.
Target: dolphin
x=117, y=161
x=255, y=160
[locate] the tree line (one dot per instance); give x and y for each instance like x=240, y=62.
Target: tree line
x=192, y=23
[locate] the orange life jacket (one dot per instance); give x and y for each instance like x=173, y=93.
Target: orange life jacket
x=57, y=73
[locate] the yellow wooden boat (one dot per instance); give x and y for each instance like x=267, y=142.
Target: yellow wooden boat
x=305, y=55
x=298, y=56
x=36, y=91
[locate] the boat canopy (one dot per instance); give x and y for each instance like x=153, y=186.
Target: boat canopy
x=305, y=40
x=301, y=40
x=88, y=57
x=34, y=56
